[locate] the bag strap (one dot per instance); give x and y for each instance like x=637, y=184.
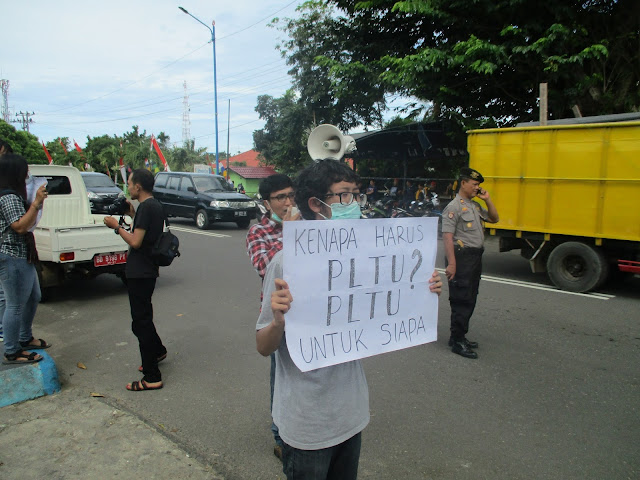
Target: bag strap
x=166, y=219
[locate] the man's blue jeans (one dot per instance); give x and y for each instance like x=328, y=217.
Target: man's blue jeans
x=339, y=462
x=19, y=280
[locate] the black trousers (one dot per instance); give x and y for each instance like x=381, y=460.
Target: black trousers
x=151, y=347
x=463, y=289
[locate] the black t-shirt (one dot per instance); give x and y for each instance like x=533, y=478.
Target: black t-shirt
x=150, y=218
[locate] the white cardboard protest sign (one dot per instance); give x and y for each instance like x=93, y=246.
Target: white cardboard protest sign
x=359, y=287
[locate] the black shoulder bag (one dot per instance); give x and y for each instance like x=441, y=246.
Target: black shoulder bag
x=166, y=247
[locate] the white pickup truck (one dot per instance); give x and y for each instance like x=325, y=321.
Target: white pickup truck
x=69, y=238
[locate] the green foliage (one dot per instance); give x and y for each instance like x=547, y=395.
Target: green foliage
x=23, y=143
x=478, y=61
x=282, y=141
x=319, y=46
x=103, y=153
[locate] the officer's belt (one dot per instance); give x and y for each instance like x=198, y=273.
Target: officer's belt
x=468, y=250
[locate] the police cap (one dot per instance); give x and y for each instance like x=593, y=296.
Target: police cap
x=470, y=173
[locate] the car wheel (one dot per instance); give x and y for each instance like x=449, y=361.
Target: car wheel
x=244, y=223
x=202, y=219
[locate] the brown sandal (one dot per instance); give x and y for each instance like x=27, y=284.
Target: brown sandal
x=142, y=386
x=40, y=345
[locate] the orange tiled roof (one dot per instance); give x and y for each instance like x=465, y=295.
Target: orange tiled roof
x=252, y=172
x=250, y=157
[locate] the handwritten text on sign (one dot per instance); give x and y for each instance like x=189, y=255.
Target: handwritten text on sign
x=359, y=287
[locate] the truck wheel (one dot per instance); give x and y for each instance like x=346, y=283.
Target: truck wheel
x=244, y=223
x=577, y=267
x=202, y=219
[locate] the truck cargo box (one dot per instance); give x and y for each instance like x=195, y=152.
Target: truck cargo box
x=580, y=180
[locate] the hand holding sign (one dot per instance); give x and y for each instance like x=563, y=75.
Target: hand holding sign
x=280, y=301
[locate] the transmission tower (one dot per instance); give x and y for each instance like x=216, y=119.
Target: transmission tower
x=6, y=116
x=186, y=123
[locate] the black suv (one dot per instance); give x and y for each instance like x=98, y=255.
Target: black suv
x=101, y=190
x=204, y=197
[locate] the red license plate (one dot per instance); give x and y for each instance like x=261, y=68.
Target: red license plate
x=110, y=259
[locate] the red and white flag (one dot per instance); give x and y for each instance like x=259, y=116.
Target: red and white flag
x=159, y=152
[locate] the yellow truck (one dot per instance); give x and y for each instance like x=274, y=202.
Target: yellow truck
x=567, y=194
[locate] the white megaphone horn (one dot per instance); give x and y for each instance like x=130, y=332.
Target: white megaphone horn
x=327, y=142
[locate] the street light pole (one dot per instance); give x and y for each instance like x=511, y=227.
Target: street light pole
x=212, y=29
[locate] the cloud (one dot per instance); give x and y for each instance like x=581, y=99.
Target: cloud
x=93, y=68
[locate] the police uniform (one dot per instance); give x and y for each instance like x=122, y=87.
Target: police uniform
x=465, y=219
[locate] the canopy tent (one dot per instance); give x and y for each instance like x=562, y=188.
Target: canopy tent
x=415, y=150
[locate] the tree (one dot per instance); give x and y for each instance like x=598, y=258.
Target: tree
x=183, y=158
x=477, y=61
x=103, y=152
x=282, y=141
x=23, y=143
x=316, y=37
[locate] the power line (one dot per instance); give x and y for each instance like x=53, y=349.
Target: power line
x=258, y=22
x=175, y=61
x=132, y=83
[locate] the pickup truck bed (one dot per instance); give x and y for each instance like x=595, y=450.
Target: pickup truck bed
x=69, y=238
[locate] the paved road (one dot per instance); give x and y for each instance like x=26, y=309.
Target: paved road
x=554, y=394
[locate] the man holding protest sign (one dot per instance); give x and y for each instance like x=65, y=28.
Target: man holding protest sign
x=463, y=238
x=321, y=412
x=264, y=240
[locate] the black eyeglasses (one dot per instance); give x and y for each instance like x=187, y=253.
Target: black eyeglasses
x=347, y=198
x=283, y=196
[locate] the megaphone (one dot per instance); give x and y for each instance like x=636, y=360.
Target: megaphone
x=326, y=141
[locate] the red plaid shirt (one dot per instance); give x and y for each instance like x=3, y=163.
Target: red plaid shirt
x=264, y=240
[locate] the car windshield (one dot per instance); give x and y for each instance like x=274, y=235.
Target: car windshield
x=205, y=184
x=97, y=181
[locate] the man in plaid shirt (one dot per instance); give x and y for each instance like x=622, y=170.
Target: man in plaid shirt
x=264, y=240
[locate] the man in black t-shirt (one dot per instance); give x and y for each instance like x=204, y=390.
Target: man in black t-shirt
x=141, y=272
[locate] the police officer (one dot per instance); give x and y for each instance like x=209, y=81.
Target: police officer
x=463, y=237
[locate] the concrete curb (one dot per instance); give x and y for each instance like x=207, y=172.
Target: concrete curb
x=25, y=382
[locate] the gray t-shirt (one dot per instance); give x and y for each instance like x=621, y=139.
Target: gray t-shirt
x=317, y=409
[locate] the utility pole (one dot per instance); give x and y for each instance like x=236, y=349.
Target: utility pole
x=228, y=133
x=25, y=119
x=186, y=122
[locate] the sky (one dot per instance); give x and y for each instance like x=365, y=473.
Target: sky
x=91, y=68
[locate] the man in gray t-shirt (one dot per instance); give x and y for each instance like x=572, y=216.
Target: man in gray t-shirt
x=320, y=413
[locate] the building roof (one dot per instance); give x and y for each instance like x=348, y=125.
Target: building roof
x=253, y=172
x=250, y=157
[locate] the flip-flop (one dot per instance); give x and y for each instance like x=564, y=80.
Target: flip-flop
x=41, y=344
x=141, y=386
x=159, y=359
x=13, y=358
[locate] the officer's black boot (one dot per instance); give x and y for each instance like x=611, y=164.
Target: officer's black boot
x=461, y=348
